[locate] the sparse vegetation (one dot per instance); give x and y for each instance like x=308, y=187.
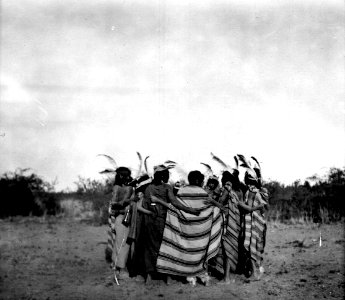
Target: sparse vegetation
x=320, y=202
x=317, y=200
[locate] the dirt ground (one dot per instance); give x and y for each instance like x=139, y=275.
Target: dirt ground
x=60, y=258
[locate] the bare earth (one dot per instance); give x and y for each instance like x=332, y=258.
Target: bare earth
x=59, y=258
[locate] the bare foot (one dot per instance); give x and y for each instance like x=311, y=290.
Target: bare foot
x=225, y=282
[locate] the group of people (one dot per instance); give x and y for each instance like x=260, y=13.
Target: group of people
x=160, y=230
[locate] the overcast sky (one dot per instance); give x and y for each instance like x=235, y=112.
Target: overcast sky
x=173, y=81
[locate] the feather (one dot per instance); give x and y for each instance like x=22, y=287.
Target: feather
x=110, y=159
x=140, y=164
x=244, y=162
x=236, y=161
x=183, y=174
x=217, y=159
x=209, y=169
x=170, y=162
x=145, y=164
x=258, y=172
x=107, y=171
x=253, y=158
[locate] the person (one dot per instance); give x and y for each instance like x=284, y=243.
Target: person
x=227, y=260
x=118, y=206
x=212, y=187
x=255, y=223
x=135, y=262
x=189, y=241
x=155, y=222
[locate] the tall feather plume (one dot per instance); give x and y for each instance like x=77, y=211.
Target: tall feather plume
x=182, y=172
x=257, y=167
x=236, y=161
x=208, y=167
x=140, y=164
x=244, y=162
x=217, y=159
x=253, y=158
x=145, y=164
x=110, y=159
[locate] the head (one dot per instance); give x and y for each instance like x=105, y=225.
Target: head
x=142, y=183
x=161, y=175
x=196, y=178
x=123, y=176
x=250, y=178
x=232, y=178
x=212, y=183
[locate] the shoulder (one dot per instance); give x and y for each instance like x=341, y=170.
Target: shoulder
x=192, y=191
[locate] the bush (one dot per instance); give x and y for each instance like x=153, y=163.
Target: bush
x=321, y=202
x=26, y=194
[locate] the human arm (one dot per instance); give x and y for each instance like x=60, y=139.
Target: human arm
x=140, y=207
x=180, y=206
x=211, y=201
x=122, y=196
x=248, y=208
x=177, y=204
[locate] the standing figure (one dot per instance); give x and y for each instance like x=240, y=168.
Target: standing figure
x=255, y=222
x=212, y=188
x=190, y=239
x=232, y=223
x=136, y=236
x=155, y=222
x=118, y=207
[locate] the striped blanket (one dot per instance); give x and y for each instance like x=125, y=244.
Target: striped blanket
x=231, y=234
x=190, y=241
x=255, y=230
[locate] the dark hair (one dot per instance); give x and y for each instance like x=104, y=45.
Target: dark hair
x=250, y=181
x=161, y=176
x=232, y=177
x=195, y=178
x=212, y=180
x=123, y=176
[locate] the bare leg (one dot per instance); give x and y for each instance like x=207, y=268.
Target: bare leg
x=148, y=279
x=227, y=271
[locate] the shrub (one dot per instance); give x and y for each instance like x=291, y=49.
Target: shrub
x=26, y=194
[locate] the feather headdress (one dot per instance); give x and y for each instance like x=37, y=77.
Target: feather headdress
x=257, y=168
x=145, y=164
x=243, y=161
x=140, y=164
x=218, y=160
x=112, y=162
x=209, y=169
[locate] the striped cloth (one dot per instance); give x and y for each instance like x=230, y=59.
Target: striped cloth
x=231, y=232
x=255, y=229
x=190, y=241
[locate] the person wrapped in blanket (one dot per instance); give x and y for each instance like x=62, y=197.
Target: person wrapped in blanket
x=189, y=241
x=136, y=236
x=155, y=222
x=118, y=207
x=232, y=200
x=212, y=187
x=255, y=223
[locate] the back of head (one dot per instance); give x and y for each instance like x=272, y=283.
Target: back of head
x=123, y=176
x=196, y=178
x=161, y=176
